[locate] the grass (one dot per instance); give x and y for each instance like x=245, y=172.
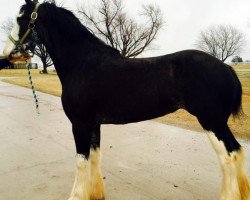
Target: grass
x=49, y=83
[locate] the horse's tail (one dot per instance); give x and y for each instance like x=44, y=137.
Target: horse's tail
x=237, y=104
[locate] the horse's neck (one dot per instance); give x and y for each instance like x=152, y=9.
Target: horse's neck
x=60, y=58
x=73, y=46
x=65, y=54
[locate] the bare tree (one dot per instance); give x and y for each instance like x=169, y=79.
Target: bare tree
x=221, y=41
x=111, y=23
x=43, y=54
x=7, y=26
x=40, y=50
x=236, y=60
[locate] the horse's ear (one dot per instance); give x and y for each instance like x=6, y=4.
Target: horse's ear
x=28, y=1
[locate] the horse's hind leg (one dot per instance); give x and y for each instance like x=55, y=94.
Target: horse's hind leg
x=88, y=183
x=235, y=185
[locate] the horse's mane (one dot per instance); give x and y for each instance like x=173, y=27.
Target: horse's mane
x=71, y=27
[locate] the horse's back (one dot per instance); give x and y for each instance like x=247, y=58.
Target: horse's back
x=122, y=90
x=195, y=81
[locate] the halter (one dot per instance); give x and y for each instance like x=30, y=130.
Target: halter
x=19, y=47
x=31, y=28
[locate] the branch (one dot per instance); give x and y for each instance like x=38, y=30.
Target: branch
x=113, y=25
x=222, y=41
x=7, y=26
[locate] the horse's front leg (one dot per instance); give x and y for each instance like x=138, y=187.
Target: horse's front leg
x=88, y=183
x=97, y=184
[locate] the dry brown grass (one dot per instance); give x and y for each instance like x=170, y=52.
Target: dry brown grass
x=239, y=126
x=50, y=84
x=47, y=83
x=239, y=66
x=17, y=72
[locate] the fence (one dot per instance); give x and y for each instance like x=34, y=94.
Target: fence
x=22, y=66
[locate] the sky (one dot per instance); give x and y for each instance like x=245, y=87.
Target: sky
x=184, y=20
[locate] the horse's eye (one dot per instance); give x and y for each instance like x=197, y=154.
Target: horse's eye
x=19, y=20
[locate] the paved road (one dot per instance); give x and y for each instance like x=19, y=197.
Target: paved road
x=142, y=161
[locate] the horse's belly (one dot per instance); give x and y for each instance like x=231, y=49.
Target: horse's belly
x=127, y=114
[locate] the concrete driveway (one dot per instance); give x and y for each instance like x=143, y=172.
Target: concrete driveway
x=141, y=161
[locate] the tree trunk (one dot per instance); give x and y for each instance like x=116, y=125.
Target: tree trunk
x=44, y=67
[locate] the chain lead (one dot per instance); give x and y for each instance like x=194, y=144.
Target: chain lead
x=33, y=88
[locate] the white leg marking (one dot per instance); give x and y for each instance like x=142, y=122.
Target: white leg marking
x=81, y=186
x=9, y=45
x=97, y=183
x=232, y=170
x=243, y=182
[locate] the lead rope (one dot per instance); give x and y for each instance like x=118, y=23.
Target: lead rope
x=33, y=89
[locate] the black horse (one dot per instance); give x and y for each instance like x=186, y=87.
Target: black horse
x=99, y=86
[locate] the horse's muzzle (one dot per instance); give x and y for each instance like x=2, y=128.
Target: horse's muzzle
x=18, y=57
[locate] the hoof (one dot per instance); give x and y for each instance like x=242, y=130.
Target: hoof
x=97, y=197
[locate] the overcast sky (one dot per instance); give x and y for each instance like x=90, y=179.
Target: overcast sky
x=184, y=19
